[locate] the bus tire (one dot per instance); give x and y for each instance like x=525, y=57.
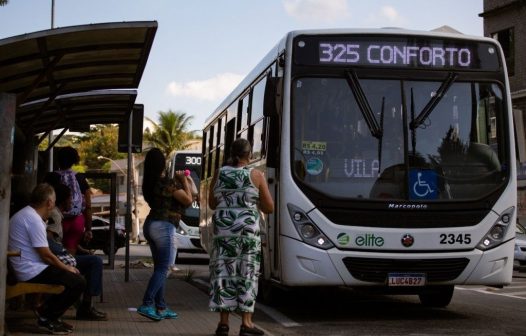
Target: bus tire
x=266, y=292
x=437, y=296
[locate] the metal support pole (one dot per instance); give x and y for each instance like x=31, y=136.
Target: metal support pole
x=128, y=202
x=52, y=14
x=7, y=138
x=113, y=216
x=50, y=137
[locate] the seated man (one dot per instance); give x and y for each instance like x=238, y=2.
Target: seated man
x=37, y=264
x=90, y=266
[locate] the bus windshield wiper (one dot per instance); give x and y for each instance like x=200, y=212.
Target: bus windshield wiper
x=365, y=108
x=441, y=92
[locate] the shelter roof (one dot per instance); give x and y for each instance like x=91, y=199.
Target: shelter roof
x=78, y=111
x=61, y=61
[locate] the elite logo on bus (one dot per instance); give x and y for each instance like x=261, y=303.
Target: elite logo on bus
x=369, y=239
x=343, y=238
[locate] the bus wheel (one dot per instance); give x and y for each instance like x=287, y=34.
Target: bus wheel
x=437, y=296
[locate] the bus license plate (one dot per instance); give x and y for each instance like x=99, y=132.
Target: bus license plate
x=406, y=279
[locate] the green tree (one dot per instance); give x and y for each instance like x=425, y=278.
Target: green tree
x=102, y=140
x=3, y=2
x=72, y=140
x=170, y=133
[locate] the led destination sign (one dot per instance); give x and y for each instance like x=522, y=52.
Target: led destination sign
x=397, y=52
x=389, y=54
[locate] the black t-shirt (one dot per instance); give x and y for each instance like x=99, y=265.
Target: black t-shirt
x=163, y=206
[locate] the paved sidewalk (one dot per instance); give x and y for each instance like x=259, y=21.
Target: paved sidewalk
x=120, y=300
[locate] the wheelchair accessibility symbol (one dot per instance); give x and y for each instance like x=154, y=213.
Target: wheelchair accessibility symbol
x=423, y=184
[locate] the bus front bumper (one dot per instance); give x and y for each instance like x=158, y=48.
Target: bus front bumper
x=304, y=265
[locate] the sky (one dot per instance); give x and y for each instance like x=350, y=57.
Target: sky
x=204, y=48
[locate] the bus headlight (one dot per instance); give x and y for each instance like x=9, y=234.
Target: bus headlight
x=181, y=231
x=307, y=230
x=496, y=234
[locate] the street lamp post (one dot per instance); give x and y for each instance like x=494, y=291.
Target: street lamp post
x=135, y=229
x=100, y=157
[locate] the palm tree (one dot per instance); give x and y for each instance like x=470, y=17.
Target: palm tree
x=171, y=133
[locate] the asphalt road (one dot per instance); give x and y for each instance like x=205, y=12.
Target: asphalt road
x=474, y=310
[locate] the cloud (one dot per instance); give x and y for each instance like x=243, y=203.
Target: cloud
x=208, y=89
x=390, y=13
x=317, y=10
x=387, y=16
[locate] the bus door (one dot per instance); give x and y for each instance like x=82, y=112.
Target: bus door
x=271, y=250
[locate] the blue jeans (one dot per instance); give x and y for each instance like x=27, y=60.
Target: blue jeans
x=90, y=266
x=160, y=237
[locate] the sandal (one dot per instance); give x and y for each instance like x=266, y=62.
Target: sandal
x=247, y=331
x=222, y=330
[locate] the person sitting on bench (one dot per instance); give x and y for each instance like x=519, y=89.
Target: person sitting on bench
x=90, y=266
x=37, y=264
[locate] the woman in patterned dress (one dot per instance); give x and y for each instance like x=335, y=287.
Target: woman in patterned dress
x=237, y=195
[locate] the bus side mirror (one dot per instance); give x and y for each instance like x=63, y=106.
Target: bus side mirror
x=272, y=99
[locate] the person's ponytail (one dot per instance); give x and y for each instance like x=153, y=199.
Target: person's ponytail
x=240, y=149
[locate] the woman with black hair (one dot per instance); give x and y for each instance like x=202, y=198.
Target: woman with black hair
x=237, y=194
x=167, y=199
x=77, y=220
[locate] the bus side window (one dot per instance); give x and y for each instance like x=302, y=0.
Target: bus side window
x=210, y=151
x=256, y=119
x=229, y=136
x=257, y=140
x=242, y=117
x=204, y=150
x=222, y=130
x=212, y=158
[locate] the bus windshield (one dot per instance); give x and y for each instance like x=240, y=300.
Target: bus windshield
x=405, y=150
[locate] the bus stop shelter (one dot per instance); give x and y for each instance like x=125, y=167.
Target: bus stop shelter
x=66, y=78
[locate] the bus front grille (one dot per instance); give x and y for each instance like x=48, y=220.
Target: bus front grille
x=404, y=219
x=376, y=270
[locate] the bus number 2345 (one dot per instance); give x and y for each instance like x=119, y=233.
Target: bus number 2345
x=452, y=238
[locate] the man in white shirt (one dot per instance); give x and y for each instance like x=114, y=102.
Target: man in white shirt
x=37, y=264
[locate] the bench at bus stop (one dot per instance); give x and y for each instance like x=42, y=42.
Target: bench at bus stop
x=16, y=288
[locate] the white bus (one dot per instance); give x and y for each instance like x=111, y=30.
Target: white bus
x=187, y=237
x=390, y=156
